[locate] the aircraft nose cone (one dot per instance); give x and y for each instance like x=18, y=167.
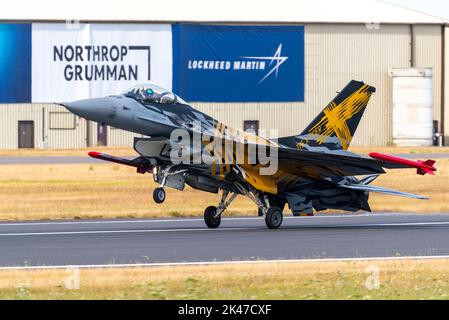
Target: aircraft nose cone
x=77, y=107
x=97, y=109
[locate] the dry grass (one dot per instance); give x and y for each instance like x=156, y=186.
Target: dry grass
x=435, y=187
x=62, y=191
x=30, y=192
x=398, y=279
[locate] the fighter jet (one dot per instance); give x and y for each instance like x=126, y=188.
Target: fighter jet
x=311, y=171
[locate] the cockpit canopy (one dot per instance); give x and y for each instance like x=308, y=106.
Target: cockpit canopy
x=150, y=93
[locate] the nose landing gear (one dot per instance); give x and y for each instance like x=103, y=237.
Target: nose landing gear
x=159, y=195
x=169, y=178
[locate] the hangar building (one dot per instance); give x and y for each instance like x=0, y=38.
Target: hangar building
x=342, y=40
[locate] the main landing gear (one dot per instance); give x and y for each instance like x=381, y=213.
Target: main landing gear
x=273, y=218
x=212, y=215
x=273, y=214
x=211, y=218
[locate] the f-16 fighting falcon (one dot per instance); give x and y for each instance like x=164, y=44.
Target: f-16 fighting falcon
x=309, y=171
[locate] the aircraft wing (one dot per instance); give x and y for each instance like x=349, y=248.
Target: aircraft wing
x=313, y=164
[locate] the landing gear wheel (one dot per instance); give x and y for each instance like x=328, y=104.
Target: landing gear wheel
x=159, y=195
x=273, y=218
x=210, y=219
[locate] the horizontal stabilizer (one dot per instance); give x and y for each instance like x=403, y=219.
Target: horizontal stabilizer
x=368, y=179
x=383, y=190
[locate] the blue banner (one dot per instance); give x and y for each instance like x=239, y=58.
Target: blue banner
x=214, y=63
x=15, y=63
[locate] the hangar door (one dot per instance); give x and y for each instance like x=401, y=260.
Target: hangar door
x=26, y=134
x=251, y=126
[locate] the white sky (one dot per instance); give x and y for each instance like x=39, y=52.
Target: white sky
x=439, y=8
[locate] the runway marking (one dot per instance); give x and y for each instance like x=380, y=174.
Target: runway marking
x=174, y=264
x=104, y=222
x=410, y=223
x=212, y=230
x=194, y=219
x=117, y=231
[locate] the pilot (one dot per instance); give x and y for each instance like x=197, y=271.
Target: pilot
x=149, y=95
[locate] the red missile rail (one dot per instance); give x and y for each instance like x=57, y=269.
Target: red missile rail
x=141, y=166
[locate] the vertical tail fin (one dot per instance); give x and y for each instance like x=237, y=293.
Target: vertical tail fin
x=338, y=121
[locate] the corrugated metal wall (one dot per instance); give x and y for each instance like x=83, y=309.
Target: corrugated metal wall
x=10, y=115
x=117, y=137
x=334, y=54
x=428, y=54
x=63, y=137
x=54, y=126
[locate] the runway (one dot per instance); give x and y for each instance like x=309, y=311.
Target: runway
x=149, y=241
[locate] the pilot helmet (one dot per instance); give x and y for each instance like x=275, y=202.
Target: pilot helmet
x=147, y=93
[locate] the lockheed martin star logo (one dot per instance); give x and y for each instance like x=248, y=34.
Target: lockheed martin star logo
x=276, y=59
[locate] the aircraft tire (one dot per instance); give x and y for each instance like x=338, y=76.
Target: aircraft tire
x=211, y=221
x=159, y=195
x=273, y=218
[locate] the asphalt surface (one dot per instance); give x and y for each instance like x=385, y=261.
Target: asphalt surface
x=104, y=242
x=87, y=159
